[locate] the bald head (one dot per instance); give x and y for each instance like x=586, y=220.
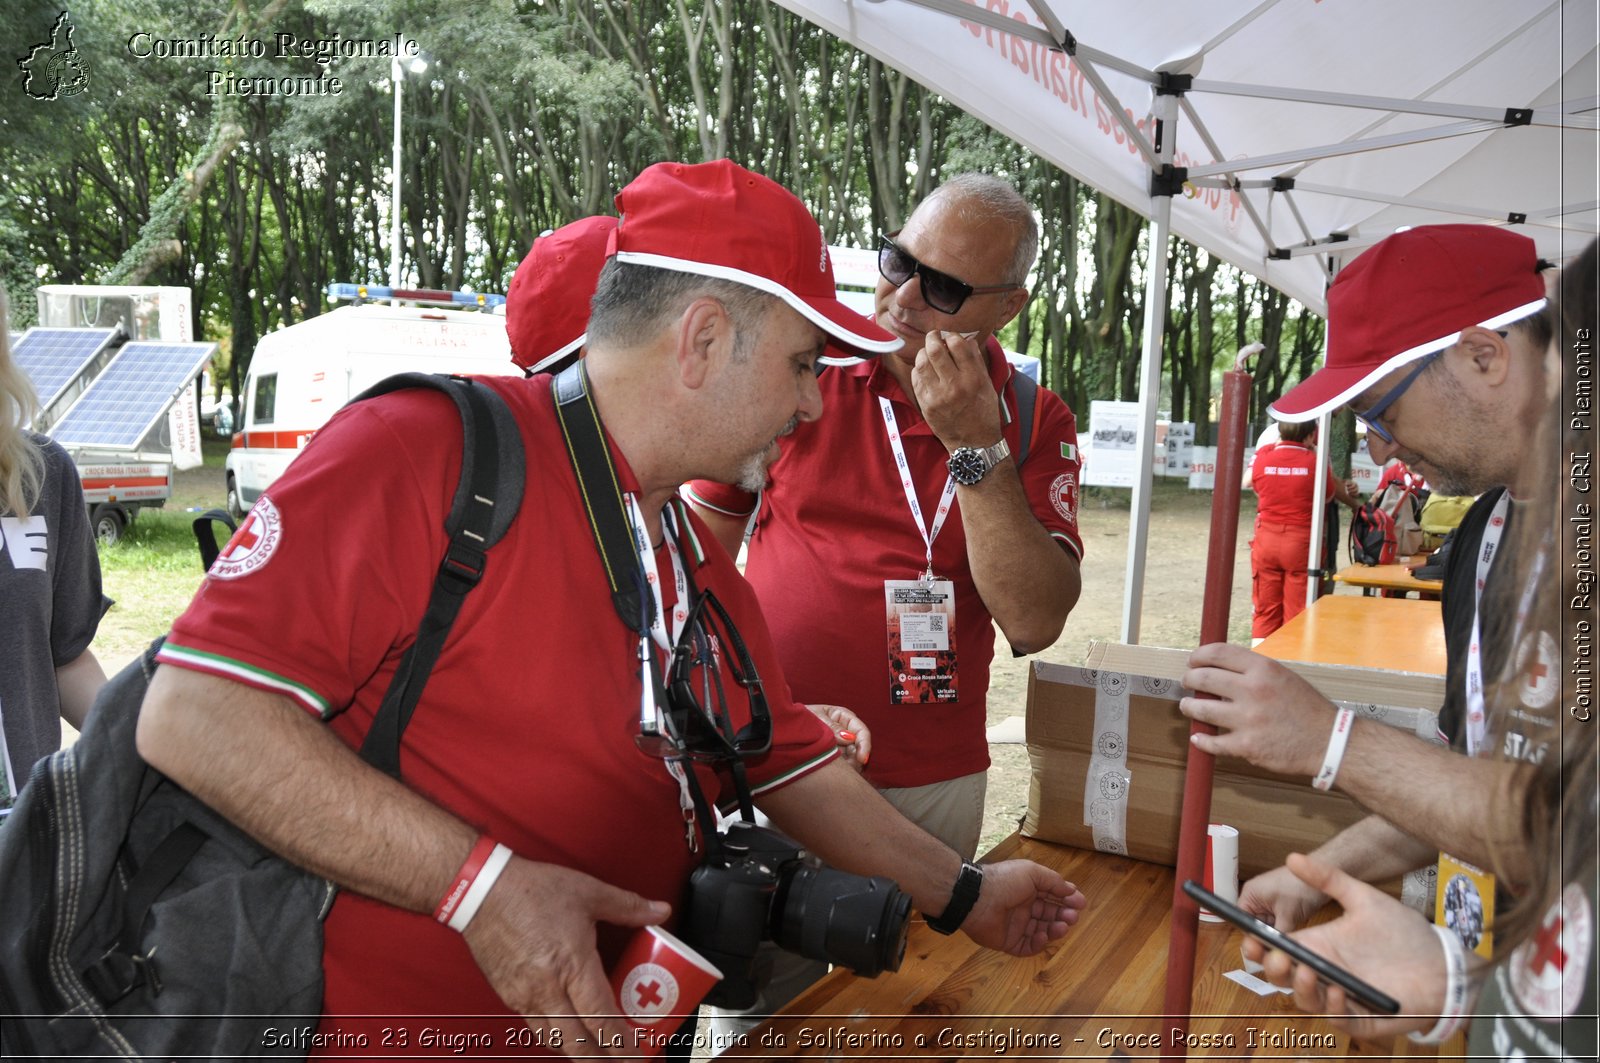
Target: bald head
x=992, y=202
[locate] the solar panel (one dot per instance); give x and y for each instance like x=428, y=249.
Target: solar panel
x=53, y=357
x=125, y=402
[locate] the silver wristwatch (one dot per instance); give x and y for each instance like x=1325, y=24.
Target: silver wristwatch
x=968, y=465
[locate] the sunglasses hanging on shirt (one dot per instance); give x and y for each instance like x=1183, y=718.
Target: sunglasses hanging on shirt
x=686, y=714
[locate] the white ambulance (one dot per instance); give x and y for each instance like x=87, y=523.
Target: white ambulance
x=301, y=374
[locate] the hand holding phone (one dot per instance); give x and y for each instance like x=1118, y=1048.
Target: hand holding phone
x=1331, y=973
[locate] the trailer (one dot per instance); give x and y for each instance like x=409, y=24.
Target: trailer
x=115, y=368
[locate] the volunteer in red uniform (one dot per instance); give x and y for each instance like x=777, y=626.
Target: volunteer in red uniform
x=700, y=358
x=1284, y=475
x=844, y=546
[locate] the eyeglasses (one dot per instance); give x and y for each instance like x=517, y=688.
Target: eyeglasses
x=941, y=291
x=696, y=719
x=1369, y=416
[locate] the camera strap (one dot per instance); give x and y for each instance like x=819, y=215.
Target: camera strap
x=608, y=522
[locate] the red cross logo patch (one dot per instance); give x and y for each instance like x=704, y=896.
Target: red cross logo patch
x=1549, y=971
x=253, y=545
x=1539, y=666
x=648, y=993
x=1064, y=496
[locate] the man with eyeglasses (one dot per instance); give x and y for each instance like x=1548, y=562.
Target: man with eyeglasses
x=557, y=775
x=1434, y=335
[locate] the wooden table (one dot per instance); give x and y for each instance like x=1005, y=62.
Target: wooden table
x=1397, y=634
x=1095, y=994
x=1397, y=577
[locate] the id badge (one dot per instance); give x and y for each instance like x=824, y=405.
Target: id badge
x=921, y=616
x=1464, y=903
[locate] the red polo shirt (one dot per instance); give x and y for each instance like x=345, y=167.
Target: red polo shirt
x=835, y=524
x=527, y=726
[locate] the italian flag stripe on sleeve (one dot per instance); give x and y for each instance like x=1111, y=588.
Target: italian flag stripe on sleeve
x=228, y=668
x=1069, y=452
x=795, y=772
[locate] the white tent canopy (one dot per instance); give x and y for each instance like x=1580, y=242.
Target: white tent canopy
x=1281, y=135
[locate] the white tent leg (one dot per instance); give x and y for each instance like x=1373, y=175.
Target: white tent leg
x=1155, y=319
x=1319, y=492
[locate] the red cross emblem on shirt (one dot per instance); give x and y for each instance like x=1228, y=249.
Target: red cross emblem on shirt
x=649, y=994
x=245, y=539
x=1548, y=949
x=1536, y=672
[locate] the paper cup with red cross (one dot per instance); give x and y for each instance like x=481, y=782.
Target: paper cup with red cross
x=659, y=981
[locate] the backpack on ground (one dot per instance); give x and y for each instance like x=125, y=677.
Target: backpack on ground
x=1387, y=526
x=137, y=923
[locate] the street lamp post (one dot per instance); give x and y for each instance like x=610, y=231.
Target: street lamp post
x=415, y=64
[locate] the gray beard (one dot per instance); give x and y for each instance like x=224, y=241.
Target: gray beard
x=753, y=473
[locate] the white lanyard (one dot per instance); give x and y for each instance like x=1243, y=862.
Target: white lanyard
x=649, y=713
x=647, y=558
x=946, y=499
x=1474, y=682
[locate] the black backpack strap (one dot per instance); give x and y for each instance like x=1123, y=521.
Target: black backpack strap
x=1027, y=391
x=206, y=535
x=488, y=495
x=602, y=494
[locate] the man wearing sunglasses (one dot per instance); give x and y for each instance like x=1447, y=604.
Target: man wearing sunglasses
x=898, y=530
x=1434, y=335
x=840, y=534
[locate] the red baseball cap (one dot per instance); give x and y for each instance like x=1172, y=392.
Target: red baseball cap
x=547, y=307
x=1409, y=295
x=720, y=220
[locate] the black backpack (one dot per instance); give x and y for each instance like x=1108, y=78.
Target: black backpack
x=137, y=923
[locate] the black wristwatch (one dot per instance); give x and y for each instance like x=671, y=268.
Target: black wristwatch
x=968, y=465
x=962, y=898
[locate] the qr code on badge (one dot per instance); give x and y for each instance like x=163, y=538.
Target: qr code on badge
x=936, y=622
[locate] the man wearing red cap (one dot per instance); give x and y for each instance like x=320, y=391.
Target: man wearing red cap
x=1435, y=336
x=535, y=782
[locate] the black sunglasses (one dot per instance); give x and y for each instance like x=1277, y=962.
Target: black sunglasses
x=696, y=717
x=941, y=291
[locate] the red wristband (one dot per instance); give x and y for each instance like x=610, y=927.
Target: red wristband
x=464, y=878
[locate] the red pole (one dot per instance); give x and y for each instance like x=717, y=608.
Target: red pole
x=1197, y=780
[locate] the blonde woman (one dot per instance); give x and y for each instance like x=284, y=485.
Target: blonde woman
x=50, y=600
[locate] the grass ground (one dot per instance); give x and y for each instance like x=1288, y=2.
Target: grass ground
x=155, y=569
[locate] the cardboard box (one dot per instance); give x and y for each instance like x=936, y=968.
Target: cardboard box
x=1108, y=749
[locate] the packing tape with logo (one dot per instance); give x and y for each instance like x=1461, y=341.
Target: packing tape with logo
x=1416, y=888
x=1105, y=792
x=1420, y=722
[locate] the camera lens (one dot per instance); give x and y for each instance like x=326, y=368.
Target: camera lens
x=826, y=914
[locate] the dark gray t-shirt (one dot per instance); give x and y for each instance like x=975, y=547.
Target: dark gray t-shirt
x=50, y=606
x=1540, y=1004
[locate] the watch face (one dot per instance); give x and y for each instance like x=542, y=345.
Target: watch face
x=967, y=466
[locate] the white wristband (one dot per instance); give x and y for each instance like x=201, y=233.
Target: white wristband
x=480, y=888
x=1455, y=991
x=1336, y=743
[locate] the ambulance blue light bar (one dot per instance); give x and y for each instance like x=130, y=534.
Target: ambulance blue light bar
x=372, y=293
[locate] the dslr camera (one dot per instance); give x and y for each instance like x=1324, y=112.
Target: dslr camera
x=760, y=885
